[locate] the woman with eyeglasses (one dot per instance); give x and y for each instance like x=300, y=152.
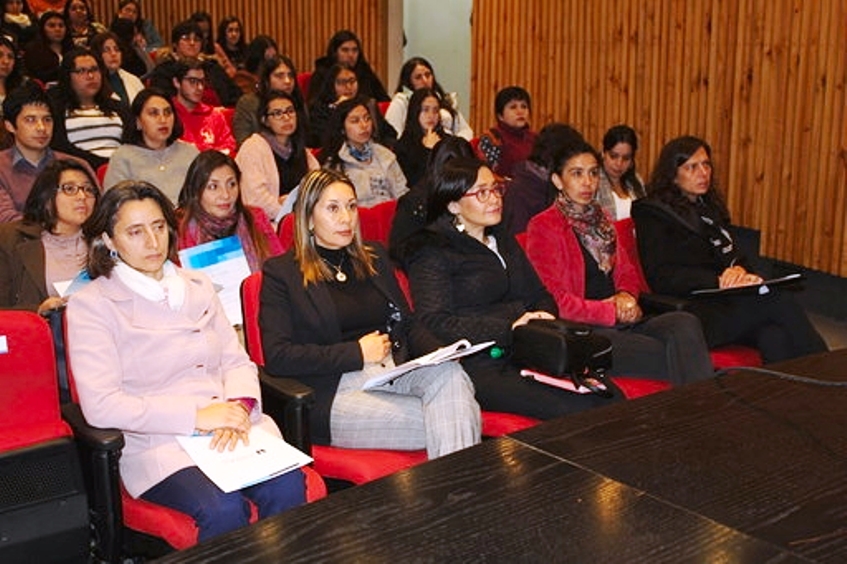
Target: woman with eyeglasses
x=332, y=315
x=43, y=54
x=45, y=251
x=352, y=149
x=573, y=247
x=152, y=149
x=471, y=280
x=341, y=83
x=274, y=161
x=89, y=121
x=211, y=208
x=686, y=243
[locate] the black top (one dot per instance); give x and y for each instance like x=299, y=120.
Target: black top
x=598, y=284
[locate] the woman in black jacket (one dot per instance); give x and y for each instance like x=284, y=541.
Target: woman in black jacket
x=685, y=244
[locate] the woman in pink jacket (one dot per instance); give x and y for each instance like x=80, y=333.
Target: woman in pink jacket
x=154, y=355
x=573, y=245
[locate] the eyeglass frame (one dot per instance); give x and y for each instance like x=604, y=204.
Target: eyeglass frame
x=289, y=112
x=86, y=71
x=483, y=195
x=71, y=190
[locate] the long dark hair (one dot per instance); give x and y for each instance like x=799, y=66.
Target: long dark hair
x=625, y=134
x=254, y=56
x=67, y=41
x=413, y=124
x=662, y=185
x=405, y=81
x=326, y=91
x=336, y=137
x=267, y=68
x=40, y=206
x=103, y=98
x=196, y=179
x=132, y=134
x=16, y=77
x=241, y=45
x=105, y=216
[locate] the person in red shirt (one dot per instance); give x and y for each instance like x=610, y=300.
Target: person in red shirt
x=204, y=126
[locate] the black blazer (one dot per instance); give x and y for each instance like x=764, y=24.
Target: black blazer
x=301, y=334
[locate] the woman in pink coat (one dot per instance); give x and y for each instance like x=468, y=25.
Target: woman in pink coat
x=573, y=247
x=154, y=355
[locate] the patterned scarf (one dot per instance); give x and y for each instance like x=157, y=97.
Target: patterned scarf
x=206, y=227
x=593, y=228
x=363, y=155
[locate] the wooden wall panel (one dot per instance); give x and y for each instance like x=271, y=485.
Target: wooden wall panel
x=762, y=80
x=302, y=28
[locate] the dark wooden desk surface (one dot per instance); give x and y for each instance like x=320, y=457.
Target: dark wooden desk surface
x=745, y=468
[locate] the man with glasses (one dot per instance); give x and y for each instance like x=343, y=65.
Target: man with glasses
x=29, y=120
x=187, y=41
x=203, y=125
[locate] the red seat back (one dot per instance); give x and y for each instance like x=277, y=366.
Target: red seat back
x=304, y=81
x=250, y=289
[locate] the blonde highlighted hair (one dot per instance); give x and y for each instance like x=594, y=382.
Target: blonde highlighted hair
x=312, y=266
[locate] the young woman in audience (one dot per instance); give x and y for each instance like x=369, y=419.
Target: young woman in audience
x=345, y=49
x=686, y=244
x=422, y=131
x=471, y=280
x=417, y=73
x=81, y=23
x=231, y=40
x=573, y=247
x=275, y=73
x=530, y=191
x=151, y=148
x=342, y=84
x=11, y=75
x=46, y=247
x=155, y=356
x=411, y=213
x=332, y=315
x=124, y=84
x=17, y=21
x=351, y=149
x=274, y=160
x=619, y=183
x=43, y=54
x=510, y=142
x=146, y=36
x=210, y=208
x=89, y=122
x=134, y=57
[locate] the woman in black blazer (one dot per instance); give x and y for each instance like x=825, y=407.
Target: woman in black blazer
x=685, y=244
x=332, y=315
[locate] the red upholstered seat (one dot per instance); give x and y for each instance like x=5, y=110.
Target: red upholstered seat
x=304, y=80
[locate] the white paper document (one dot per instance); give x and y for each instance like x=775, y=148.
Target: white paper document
x=223, y=261
x=265, y=457
x=451, y=352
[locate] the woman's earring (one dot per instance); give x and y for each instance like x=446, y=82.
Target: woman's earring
x=113, y=254
x=457, y=223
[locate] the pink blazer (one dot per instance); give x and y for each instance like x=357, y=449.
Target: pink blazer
x=553, y=249
x=145, y=369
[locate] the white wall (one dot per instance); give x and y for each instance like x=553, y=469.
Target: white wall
x=440, y=32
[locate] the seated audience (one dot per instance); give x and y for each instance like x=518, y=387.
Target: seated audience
x=530, y=191
x=510, y=141
x=573, y=247
x=341, y=84
x=43, y=54
x=619, y=183
x=411, y=215
x=351, y=149
x=152, y=150
x=89, y=121
x=417, y=73
x=332, y=315
x=274, y=160
x=260, y=49
x=471, y=280
x=186, y=41
x=46, y=248
x=230, y=41
x=28, y=118
x=685, y=243
x=155, y=356
x=422, y=131
x=146, y=36
x=210, y=208
x=203, y=125
x=81, y=23
x=125, y=85
x=345, y=49
x=275, y=73
x=204, y=22
x=11, y=76
x=17, y=22
x=134, y=57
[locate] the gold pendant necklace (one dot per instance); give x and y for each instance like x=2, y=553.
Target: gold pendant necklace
x=339, y=274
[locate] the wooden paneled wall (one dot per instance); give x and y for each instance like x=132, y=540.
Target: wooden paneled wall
x=302, y=28
x=762, y=80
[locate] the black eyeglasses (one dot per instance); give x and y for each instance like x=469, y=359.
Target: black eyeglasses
x=86, y=71
x=280, y=113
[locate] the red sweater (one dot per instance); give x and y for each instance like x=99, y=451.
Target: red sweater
x=206, y=127
x=553, y=249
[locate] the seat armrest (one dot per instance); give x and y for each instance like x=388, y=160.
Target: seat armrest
x=660, y=303
x=288, y=403
x=104, y=440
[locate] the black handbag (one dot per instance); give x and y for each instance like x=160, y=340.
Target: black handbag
x=561, y=349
